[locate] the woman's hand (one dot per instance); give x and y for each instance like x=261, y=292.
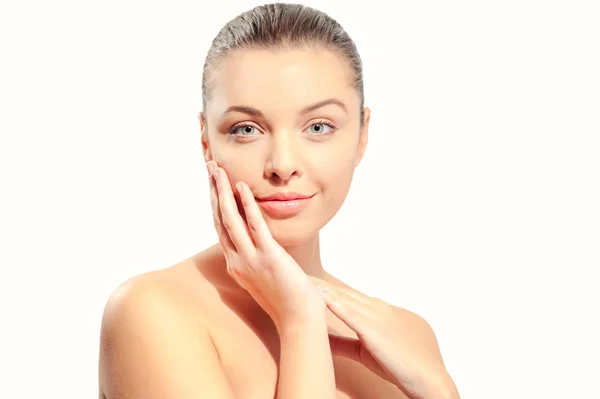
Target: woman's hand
x=399, y=348
x=256, y=261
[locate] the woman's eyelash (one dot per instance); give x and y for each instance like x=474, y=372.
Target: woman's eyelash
x=237, y=127
x=329, y=124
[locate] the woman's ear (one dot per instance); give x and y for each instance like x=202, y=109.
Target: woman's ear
x=363, y=138
x=204, y=138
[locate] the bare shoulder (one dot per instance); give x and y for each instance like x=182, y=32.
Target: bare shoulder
x=160, y=293
x=420, y=330
x=181, y=290
x=154, y=340
x=156, y=293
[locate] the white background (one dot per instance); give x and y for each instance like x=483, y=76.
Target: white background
x=476, y=205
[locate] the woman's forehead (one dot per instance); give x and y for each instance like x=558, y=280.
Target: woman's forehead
x=294, y=76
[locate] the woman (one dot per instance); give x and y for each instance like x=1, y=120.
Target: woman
x=256, y=316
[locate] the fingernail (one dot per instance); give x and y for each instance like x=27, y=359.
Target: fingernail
x=322, y=289
x=211, y=168
x=215, y=173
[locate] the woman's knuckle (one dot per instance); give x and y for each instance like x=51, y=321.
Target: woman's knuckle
x=226, y=223
x=251, y=224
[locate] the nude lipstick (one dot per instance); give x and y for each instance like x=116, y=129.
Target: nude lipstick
x=281, y=205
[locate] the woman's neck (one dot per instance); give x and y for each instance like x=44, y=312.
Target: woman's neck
x=308, y=256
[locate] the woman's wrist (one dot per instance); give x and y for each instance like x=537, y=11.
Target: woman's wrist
x=431, y=385
x=445, y=390
x=311, y=313
x=306, y=364
x=309, y=320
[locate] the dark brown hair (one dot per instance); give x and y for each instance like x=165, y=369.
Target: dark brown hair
x=280, y=26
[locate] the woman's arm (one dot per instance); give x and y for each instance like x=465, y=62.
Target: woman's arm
x=306, y=365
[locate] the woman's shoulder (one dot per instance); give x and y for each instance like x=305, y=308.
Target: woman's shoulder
x=155, y=318
x=184, y=286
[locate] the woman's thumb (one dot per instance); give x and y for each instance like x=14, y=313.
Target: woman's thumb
x=350, y=348
x=353, y=348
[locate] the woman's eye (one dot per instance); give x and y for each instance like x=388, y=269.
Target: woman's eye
x=317, y=129
x=320, y=128
x=244, y=130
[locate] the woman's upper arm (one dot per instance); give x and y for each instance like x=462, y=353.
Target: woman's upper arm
x=151, y=348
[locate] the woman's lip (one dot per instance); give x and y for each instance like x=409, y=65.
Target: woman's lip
x=285, y=197
x=282, y=209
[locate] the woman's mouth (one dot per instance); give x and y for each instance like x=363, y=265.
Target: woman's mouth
x=282, y=205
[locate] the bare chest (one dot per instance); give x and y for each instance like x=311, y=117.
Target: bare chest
x=249, y=356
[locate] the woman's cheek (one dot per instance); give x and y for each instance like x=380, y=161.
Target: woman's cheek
x=238, y=164
x=336, y=163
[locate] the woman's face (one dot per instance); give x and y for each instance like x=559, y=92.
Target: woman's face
x=287, y=122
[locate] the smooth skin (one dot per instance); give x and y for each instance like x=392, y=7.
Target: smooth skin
x=245, y=318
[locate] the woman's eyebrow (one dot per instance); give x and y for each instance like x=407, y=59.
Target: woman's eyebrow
x=305, y=110
x=323, y=103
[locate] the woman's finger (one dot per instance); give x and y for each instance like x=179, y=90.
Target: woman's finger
x=224, y=239
x=354, y=349
x=342, y=291
x=230, y=216
x=256, y=222
x=345, y=309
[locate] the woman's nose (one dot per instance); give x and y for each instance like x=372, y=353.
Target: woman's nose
x=282, y=162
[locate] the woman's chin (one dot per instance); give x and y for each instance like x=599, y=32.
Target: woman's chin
x=289, y=240
x=291, y=235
